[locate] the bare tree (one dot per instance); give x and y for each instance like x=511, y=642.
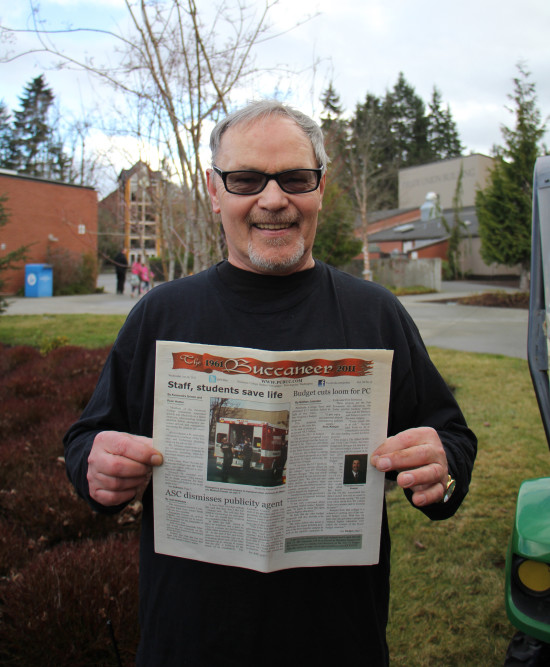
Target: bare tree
x=365, y=166
x=178, y=71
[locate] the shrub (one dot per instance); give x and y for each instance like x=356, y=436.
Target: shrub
x=19, y=413
x=68, y=374
x=40, y=399
x=14, y=357
x=45, y=503
x=14, y=460
x=49, y=344
x=157, y=267
x=72, y=273
x=61, y=602
x=70, y=360
x=27, y=382
x=64, y=569
x=15, y=548
x=446, y=271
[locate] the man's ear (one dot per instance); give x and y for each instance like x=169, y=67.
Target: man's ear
x=322, y=189
x=211, y=182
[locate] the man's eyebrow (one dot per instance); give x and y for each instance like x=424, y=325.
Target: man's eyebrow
x=239, y=168
x=261, y=171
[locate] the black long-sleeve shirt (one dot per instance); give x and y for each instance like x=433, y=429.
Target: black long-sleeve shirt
x=195, y=613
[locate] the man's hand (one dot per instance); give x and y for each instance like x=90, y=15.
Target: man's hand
x=118, y=465
x=419, y=457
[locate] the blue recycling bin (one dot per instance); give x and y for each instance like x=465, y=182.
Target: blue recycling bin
x=38, y=280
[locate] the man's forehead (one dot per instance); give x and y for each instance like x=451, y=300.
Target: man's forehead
x=248, y=140
x=262, y=124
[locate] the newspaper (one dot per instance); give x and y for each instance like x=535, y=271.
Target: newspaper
x=266, y=455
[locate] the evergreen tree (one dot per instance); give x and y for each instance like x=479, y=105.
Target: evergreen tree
x=457, y=229
x=383, y=135
x=443, y=137
x=12, y=259
x=34, y=146
x=5, y=134
x=407, y=134
x=504, y=207
x=332, y=109
x=335, y=133
x=371, y=163
x=406, y=116
x=369, y=171
x=31, y=131
x=335, y=242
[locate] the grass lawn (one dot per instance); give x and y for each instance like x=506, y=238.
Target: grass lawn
x=447, y=600
x=82, y=330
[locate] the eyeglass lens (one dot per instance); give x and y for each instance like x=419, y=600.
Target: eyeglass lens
x=295, y=181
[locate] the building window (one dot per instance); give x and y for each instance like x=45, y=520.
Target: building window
x=81, y=229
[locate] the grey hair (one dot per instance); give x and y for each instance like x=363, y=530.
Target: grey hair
x=263, y=109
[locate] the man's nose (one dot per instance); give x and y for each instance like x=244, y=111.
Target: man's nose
x=272, y=197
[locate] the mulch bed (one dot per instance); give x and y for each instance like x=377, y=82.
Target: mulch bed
x=497, y=300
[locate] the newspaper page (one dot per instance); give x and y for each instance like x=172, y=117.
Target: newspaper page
x=266, y=455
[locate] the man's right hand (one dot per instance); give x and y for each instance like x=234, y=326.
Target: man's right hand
x=119, y=465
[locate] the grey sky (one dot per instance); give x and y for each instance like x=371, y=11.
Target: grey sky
x=468, y=50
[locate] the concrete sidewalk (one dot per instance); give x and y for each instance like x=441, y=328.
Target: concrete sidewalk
x=108, y=303
x=442, y=322
x=447, y=324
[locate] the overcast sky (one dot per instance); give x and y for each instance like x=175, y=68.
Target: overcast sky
x=468, y=49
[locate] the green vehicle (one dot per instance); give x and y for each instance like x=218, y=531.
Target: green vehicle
x=527, y=592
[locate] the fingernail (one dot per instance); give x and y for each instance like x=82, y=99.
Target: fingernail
x=383, y=464
x=420, y=500
x=156, y=459
x=407, y=480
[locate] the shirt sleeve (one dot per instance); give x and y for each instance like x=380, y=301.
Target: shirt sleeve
x=422, y=398
x=112, y=407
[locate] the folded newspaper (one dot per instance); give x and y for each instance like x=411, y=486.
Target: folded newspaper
x=266, y=455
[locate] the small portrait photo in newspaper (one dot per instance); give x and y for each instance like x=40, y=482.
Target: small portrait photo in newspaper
x=355, y=469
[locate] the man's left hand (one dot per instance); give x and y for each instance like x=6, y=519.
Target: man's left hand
x=418, y=455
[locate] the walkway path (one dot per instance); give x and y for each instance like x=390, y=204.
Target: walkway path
x=469, y=328
x=442, y=323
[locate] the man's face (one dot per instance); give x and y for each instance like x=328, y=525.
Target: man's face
x=356, y=465
x=271, y=232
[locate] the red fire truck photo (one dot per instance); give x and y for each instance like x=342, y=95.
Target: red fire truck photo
x=268, y=443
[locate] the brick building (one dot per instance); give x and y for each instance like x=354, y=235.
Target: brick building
x=45, y=215
x=134, y=211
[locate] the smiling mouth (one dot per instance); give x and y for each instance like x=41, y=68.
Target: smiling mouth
x=273, y=226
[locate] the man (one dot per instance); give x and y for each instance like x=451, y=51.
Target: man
x=121, y=266
x=247, y=457
x=227, y=451
x=267, y=182
x=355, y=475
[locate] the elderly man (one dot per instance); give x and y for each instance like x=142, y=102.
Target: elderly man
x=267, y=181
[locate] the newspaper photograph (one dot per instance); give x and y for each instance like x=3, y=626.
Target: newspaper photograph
x=266, y=455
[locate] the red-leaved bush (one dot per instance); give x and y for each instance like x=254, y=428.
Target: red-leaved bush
x=55, y=610
x=64, y=570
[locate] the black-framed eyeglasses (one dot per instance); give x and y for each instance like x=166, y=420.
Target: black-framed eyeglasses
x=291, y=181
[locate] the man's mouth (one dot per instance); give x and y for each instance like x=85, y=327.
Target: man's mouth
x=272, y=226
